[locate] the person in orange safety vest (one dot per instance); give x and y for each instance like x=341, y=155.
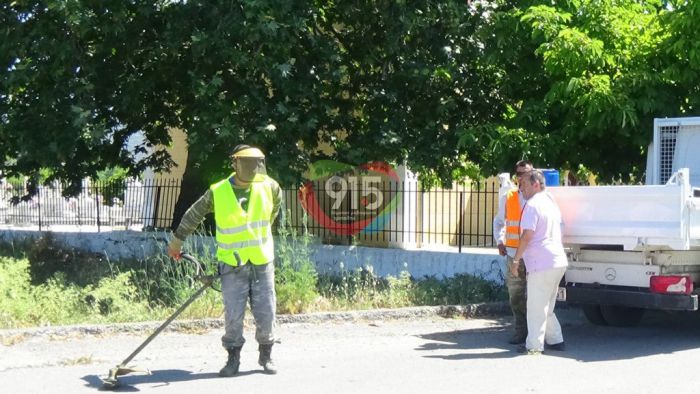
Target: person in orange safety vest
x=506, y=231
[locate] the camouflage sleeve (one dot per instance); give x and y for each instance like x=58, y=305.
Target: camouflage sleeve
x=277, y=202
x=194, y=215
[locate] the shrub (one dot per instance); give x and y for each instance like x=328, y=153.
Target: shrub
x=46, y=258
x=363, y=289
x=14, y=291
x=49, y=287
x=459, y=289
x=58, y=302
x=111, y=184
x=52, y=285
x=295, y=273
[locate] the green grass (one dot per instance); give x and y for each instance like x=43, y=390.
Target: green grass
x=57, y=301
x=43, y=284
x=362, y=289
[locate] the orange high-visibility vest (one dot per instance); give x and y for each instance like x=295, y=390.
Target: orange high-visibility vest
x=513, y=213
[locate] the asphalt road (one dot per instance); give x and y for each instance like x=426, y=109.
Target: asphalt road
x=422, y=355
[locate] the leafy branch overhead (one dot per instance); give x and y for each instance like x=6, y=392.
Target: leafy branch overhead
x=585, y=78
x=450, y=87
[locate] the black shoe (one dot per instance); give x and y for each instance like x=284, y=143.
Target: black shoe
x=517, y=339
x=523, y=350
x=557, y=346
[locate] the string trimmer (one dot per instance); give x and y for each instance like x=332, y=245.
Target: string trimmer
x=111, y=382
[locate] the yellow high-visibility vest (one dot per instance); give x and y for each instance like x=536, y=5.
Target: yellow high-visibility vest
x=512, y=217
x=247, y=232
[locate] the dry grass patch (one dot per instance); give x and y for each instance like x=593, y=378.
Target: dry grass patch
x=83, y=360
x=10, y=340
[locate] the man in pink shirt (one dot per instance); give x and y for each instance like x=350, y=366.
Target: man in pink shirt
x=545, y=261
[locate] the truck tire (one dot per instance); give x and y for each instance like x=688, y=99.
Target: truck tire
x=594, y=314
x=621, y=316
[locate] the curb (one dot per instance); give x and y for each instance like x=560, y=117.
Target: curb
x=446, y=311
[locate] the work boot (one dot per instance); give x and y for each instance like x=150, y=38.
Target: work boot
x=265, y=359
x=233, y=362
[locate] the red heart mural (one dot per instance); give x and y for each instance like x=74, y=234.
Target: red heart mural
x=372, y=220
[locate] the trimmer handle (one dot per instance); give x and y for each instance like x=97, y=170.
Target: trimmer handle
x=201, y=273
x=193, y=260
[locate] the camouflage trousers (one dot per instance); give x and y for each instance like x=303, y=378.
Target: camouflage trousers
x=517, y=294
x=254, y=283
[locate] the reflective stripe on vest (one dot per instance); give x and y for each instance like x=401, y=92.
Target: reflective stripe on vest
x=244, y=227
x=242, y=244
x=247, y=232
x=513, y=213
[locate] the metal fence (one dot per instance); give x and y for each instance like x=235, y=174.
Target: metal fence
x=134, y=204
x=390, y=214
x=397, y=214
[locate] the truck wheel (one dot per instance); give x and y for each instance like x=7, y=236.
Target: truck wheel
x=594, y=314
x=621, y=316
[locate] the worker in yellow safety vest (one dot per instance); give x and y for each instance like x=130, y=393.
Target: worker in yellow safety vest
x=245, y=204
x=506, y=231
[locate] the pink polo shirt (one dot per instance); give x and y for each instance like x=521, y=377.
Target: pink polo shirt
x=545, y=250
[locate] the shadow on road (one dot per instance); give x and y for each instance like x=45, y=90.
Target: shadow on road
x=658, y=333
x=491, y=342
x=158, y=378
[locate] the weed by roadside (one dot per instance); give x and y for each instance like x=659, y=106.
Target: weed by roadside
x=362, y=289
x=42, y=284
x=296, y=280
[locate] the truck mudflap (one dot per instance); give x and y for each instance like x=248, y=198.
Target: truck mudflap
x=631, y=298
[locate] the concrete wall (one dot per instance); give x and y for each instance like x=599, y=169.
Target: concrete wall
x=419, y=263
x=117, y=245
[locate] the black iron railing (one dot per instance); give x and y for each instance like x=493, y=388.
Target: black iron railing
x=396, y=214
x=388, y=214
x=134, y=204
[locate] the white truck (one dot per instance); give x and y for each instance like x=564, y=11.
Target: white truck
x=633, y=248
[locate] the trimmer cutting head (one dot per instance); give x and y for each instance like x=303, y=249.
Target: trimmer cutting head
x=111, y=382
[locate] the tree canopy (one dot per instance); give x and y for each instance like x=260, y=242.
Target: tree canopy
x=447, y=86
x=583, y=80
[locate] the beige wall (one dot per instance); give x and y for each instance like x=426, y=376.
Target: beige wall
x=440, y=219
x=178, y=151
x=170, y=181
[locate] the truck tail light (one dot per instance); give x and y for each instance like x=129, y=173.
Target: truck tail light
x=671, y=284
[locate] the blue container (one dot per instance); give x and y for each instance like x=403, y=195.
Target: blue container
x=551, y=177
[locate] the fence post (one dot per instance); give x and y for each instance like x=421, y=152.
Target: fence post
x=461, y=221
x=38, y=203
x=97, y=204
x=348, y=219
x=156, y=207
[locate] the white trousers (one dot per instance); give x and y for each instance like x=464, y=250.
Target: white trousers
x=542, y=324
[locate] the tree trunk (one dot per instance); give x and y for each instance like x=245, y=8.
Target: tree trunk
x=194, y=184
x=192, y=188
